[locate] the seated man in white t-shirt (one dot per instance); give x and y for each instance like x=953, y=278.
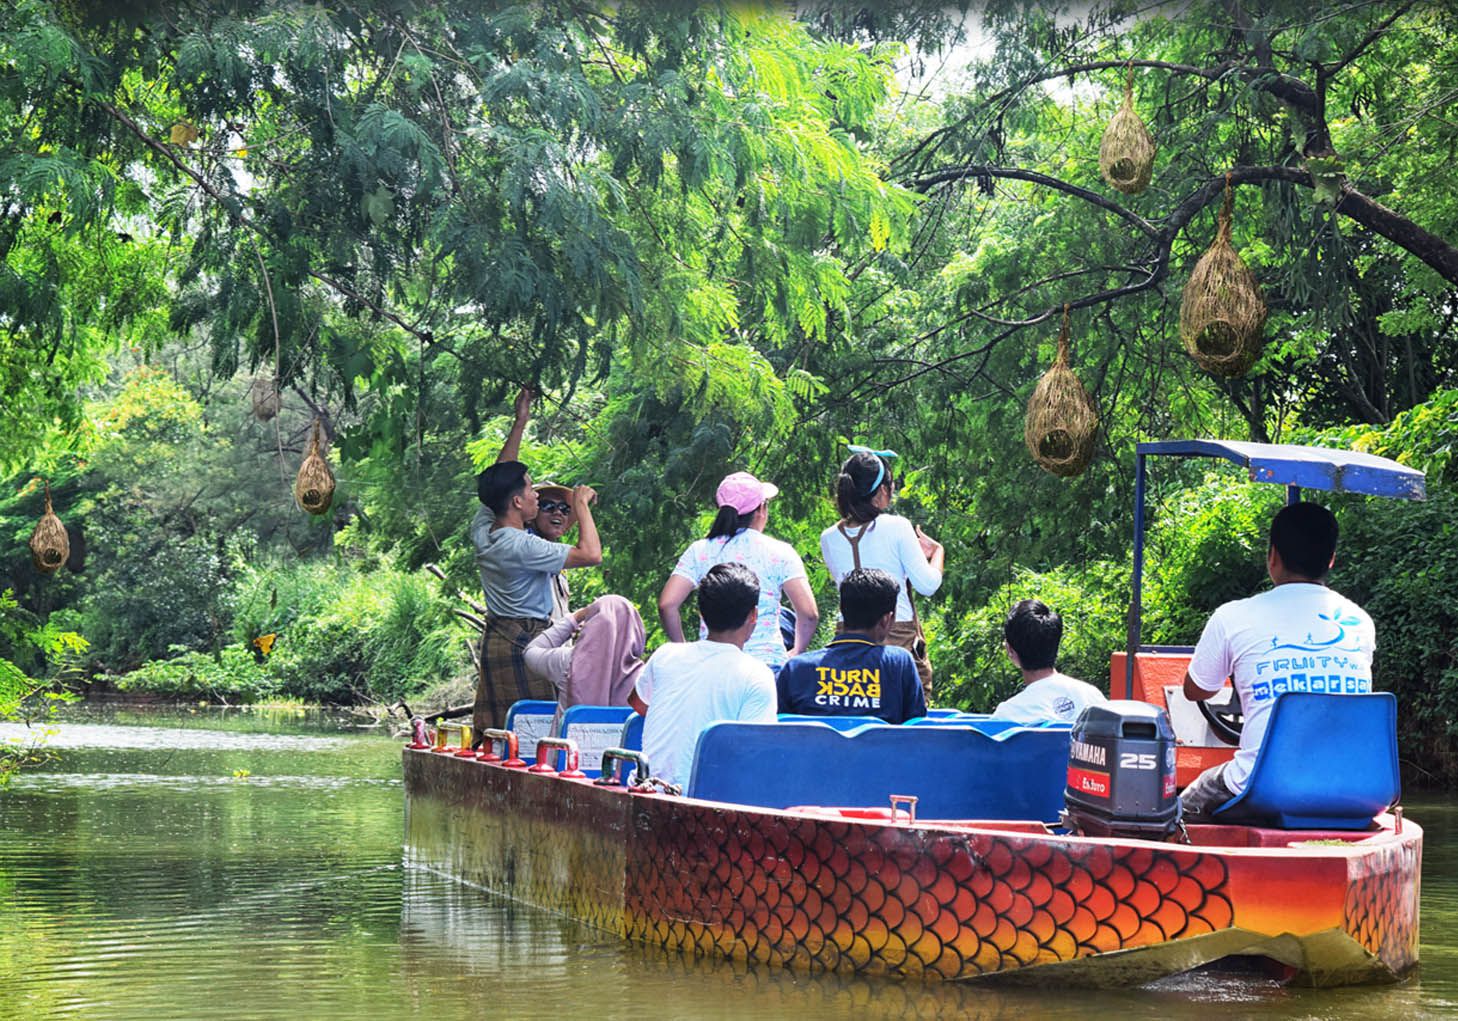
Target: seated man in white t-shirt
x=1299, y=636
x=688, y=685
x=1031, y=635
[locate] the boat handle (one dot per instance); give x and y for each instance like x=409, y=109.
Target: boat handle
x=489, y=737
x=904, y=801
x=612, y=756
x=565, y=744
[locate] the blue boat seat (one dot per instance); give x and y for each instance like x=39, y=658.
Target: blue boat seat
x=632, y=735
x=1327, y=762
x=956, y=772
x=835, y=722
x=531, y=718
x=595, y=728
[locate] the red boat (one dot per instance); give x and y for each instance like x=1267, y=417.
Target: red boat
x=942, y=851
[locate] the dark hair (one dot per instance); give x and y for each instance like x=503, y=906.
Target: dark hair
x=853, y=487
x=867, y=595
x=1033, y=631
x=1305, y=535
x=729, y=522
x=728, y=594
x=499, y=483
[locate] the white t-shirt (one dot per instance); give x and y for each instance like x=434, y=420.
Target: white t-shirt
x=1296, y=637
x=690, y=685
x=889, y=544
x=1057, y=697
x=773, y=561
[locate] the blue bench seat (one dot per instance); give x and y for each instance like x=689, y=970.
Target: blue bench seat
x=956, y=772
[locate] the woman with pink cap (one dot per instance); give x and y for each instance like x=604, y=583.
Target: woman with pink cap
x=737, y=536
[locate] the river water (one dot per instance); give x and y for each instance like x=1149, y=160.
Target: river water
x=248, y=865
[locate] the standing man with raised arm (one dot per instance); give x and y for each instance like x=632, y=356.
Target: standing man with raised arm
x=517, y=569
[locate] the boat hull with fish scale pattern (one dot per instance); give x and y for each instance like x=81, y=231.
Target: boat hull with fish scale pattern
x=938, y=900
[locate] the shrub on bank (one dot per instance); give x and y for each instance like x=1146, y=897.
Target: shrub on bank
x=347, y=635
x=230, y=676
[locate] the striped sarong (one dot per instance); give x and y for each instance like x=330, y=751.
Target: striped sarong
x=503, y=678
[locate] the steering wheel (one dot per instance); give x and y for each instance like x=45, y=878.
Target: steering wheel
x=1224, y=716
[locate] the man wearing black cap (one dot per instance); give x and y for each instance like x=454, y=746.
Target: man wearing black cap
x=517, y=569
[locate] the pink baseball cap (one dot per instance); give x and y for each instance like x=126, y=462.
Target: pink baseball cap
x=744, y=492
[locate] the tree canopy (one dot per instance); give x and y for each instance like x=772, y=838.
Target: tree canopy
x=713, y=237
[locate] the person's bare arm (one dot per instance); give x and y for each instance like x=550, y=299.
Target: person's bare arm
x=639, y=706
x=1195, y=693
x=807, y=614
x=675, y=590
x=588, y=551
x=511, y=449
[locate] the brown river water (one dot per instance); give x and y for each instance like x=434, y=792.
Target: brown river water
x=248, y=865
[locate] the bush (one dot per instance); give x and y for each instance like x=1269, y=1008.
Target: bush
x=346, y=636
x=971, y=668
x=231, y=676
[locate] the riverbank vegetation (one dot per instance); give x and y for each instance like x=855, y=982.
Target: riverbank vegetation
x=713, y=238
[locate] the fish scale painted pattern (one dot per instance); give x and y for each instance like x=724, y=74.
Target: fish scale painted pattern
x=1381, y=910
x=829, y=895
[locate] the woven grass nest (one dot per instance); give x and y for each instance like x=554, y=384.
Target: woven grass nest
x=314, y=486
x=1126, y=154
x=49, y=545
x=1222, y=315
x=265, y=397
x=1062, y=421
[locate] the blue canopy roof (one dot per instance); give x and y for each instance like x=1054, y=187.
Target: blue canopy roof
x=1340, y=471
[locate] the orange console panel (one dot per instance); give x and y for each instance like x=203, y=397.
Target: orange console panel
x=1153, y=673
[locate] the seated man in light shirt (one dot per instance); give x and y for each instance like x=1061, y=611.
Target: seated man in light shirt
x=688, y=685
x=1031, y=635
x=1299, y=636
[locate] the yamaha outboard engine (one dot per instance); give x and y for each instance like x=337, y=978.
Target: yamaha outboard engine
x=1121, y=772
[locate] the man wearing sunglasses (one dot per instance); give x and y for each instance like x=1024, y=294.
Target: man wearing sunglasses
x=518, y=569
x=554, y=518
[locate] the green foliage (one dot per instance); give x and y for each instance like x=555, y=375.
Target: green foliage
x=346, y=636
x=22, y=696
x=228, y=676
x=971, y=667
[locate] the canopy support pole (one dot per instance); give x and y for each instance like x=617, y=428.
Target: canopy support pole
x=1136, y=604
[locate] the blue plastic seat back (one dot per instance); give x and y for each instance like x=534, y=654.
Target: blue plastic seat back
x=834, y=722
x=1327, y=762
x=632, y=735
x=935, y=713
x=595, y=728
x=956, y=772
x=985, y=726
x=531, y=718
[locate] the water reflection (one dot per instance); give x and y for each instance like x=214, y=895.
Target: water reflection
x=141, y=878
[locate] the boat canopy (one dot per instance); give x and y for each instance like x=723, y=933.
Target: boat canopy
x=1339, y=471
x=1287, y=464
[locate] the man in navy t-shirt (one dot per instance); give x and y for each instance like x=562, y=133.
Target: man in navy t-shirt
x=857, y=674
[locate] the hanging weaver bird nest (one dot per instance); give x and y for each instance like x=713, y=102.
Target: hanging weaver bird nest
x=1221, y=312
x=314, y=487
x=49, y=546
x=1062, y=421
x=1126, y=155
x=265, y=397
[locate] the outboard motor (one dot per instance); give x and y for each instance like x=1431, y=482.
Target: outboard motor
x=1121, y=772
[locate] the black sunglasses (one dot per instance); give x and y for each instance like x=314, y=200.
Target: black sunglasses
x=548, y=506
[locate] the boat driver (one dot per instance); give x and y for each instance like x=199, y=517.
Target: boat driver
x=1299, y=636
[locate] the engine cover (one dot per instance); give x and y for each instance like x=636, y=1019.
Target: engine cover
x=1121, y=772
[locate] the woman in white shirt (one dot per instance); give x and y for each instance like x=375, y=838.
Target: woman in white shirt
x=866, y=536
x=737, y=536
